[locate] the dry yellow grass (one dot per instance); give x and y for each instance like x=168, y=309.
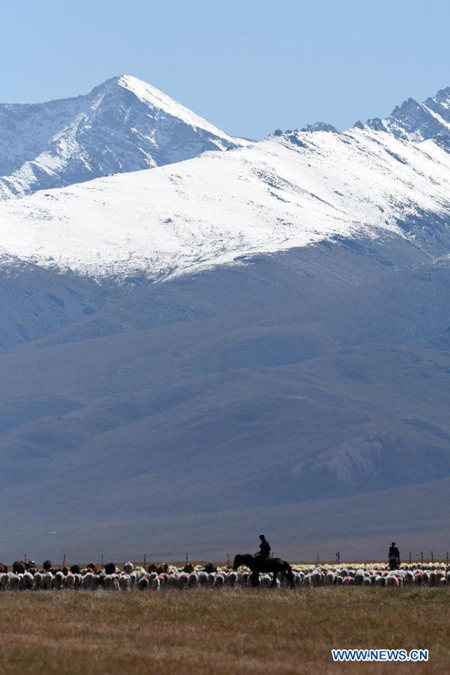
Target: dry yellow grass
x=229, y=631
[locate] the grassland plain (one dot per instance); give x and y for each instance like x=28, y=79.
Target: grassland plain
x=230, y=631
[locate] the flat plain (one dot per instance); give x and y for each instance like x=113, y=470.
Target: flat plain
x=229, y=631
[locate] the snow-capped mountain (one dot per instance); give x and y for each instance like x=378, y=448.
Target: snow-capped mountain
x=122, y=125
x=418, y=122
x=293, y=364
x=289, y=191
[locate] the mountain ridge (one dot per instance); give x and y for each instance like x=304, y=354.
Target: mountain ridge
x=123, y=124
x=418, y=122
x=288, y=191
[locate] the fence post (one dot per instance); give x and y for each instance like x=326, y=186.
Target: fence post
x=64, y=559
x=432, y=557
x=187, y=558
x=421, y=557
x=145, y=559
x=410, y=557
x=102, y=559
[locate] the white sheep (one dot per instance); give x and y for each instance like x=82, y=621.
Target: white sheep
x=14, y=582
x=48, y=581
x=182, y=580
x=172, y=581
x=307, y=582
x=316, y=577
x=58, y=581
x=26, y=582
x=193, y=580
x=70, y=581
x=231, y=579
x=203, y=578
x=219, y=581
x=330, y=578
x=125, y=582
x=143, y=583
x=38, y=581
x=78, y=581
x=391, y=580
x=408, y=578
x=87, y=581
x=359, y=577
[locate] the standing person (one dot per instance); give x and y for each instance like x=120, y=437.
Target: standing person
x=394, y=557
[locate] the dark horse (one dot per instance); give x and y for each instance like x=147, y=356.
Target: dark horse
x=271, y=565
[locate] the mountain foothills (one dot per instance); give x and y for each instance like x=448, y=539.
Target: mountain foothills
x=254, y=337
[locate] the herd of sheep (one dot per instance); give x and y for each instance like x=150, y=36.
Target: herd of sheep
x=24, y=576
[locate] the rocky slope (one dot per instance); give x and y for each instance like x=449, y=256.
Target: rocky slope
x=417, y=122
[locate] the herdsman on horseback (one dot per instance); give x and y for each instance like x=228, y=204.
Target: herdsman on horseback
x=262, y=562
x=264, y=550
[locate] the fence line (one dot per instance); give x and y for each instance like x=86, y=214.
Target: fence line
x=339, y=558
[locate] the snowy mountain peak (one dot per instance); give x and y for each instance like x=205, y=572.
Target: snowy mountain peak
x=156, y=99
x=443, y=97
x=122, y=125
x=417, y=122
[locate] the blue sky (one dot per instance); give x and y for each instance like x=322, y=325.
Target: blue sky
x=247, y=66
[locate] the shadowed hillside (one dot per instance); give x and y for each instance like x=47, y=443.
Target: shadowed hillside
x=305, y=394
